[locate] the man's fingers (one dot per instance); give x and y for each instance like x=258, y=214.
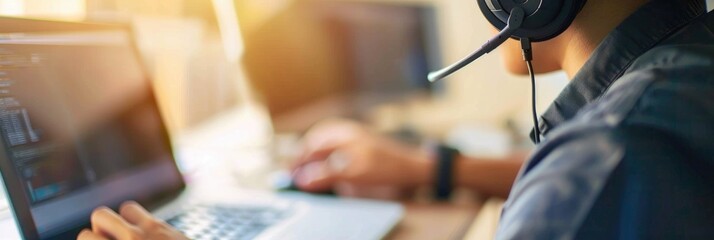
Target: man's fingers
x=315, y=177
x=325, y=138
x=338, y=161
x=134, y=213
x=312, y=155
x=87, y=234
x=109, y=224
x=137, y=215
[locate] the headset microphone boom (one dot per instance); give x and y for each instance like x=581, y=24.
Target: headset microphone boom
x=525, y=20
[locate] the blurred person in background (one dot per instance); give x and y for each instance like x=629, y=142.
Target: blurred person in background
x=627, y=150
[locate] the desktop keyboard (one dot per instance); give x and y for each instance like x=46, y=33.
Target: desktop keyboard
x=226, y=222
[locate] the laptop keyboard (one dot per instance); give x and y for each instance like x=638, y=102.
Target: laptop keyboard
x=226, y=222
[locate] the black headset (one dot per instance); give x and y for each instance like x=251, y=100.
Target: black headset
x=524, y=20
x=544, y=19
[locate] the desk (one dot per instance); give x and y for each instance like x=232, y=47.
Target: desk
x=422, y=220
x=435, y=221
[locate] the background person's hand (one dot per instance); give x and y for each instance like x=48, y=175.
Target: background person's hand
x=353, y=160
x=132, y=223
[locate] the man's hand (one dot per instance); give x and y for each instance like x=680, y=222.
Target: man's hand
x=132, y=223
x=341, y=154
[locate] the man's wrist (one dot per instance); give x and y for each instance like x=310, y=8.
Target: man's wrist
x=423, y=169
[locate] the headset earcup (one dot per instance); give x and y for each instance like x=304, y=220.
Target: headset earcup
x=491, y=16
x=542, y=27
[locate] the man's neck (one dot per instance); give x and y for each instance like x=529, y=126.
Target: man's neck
x=594, y=23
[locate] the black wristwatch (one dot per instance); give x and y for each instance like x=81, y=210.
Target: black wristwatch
x=445, y=157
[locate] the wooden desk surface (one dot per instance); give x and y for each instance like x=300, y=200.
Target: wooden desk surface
x=435, y=221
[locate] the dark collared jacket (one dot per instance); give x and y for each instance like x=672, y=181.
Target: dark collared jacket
x=628, y=150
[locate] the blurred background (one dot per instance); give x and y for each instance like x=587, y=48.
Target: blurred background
x=288, y=63
x=365, y=59
x=246, y=74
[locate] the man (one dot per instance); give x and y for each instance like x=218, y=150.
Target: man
x=627, y=150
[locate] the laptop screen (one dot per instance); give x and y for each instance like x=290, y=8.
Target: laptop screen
x=80, y=126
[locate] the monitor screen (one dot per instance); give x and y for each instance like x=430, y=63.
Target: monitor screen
x=80, y=126
x=313, y=50
x=388, y=48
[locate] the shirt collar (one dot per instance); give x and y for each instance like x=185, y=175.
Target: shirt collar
x=640, y=32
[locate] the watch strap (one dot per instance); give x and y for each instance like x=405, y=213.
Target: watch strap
x=443, y=185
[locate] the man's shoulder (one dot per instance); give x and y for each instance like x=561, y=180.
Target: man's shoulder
x=669, y=89
x=672, y=76
x=675, y=58
x=668, y=66
x=655, y=123
x=648, y=135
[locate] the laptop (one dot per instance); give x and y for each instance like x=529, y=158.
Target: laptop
x=80, y=128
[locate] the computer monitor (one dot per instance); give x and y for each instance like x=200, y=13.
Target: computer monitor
x=316, y=49
x=79, y=124
x=388, y=47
